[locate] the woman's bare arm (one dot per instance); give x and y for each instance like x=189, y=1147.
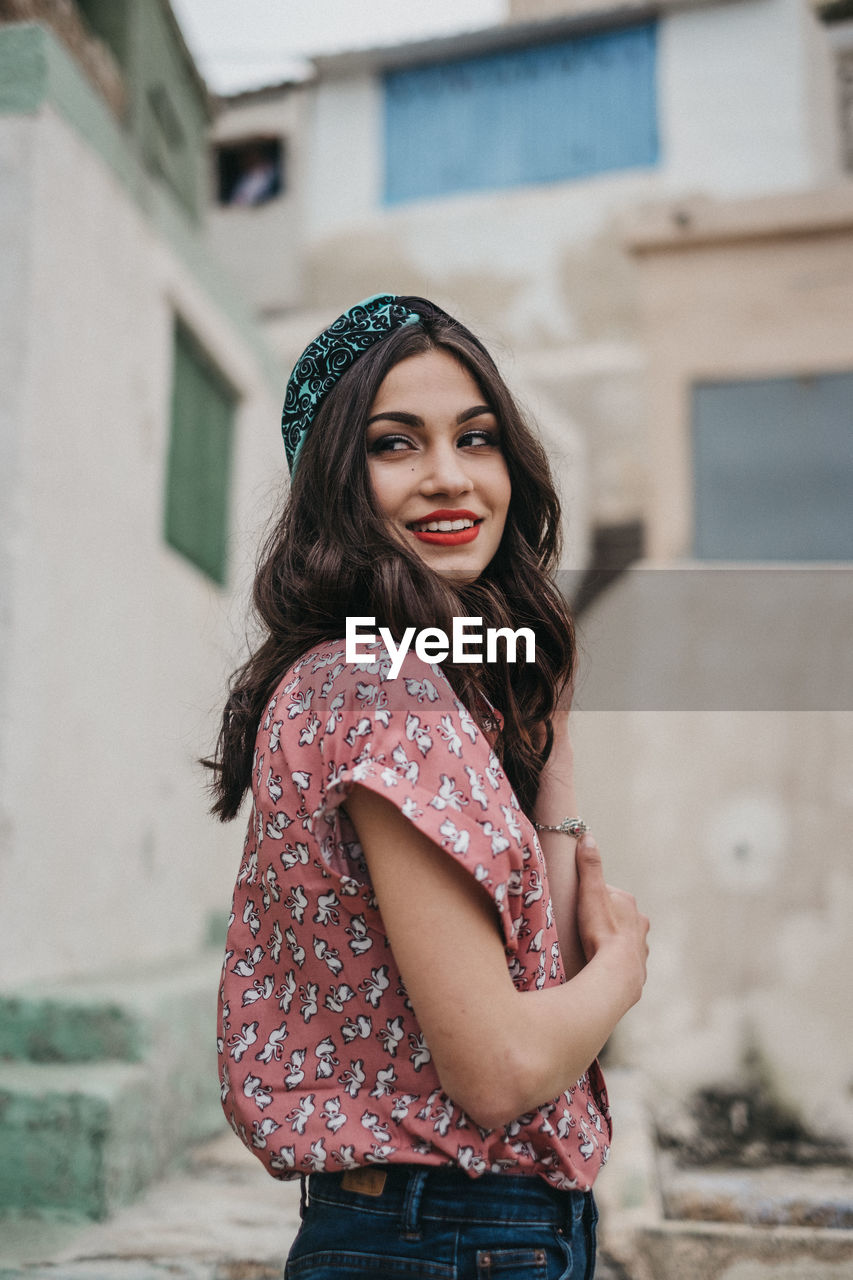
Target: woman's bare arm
x=498, y=1052
x=555, y=801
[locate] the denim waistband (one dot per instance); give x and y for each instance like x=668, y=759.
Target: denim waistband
x=446, y=1193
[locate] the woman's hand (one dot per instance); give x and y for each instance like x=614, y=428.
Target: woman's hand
x=609, y=922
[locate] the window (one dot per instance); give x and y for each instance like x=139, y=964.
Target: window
x=249, y=172
x=837, y=15
x=773, y=469
x=542, y=113
x=844, y=69
x=199, y=463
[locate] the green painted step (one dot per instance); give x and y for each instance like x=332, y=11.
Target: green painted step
x=56, y=1029
x=104, y=1084
x=75, y=1139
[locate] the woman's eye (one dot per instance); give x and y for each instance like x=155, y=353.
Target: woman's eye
x=480, y=438
x=388, y=444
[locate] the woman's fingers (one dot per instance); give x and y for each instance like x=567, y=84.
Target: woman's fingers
x=595, y=906
x=588, y=857
x=608, y=915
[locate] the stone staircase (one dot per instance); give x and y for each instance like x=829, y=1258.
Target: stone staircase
x=662, y=1222
x=103, y=1085
x=81, y=1138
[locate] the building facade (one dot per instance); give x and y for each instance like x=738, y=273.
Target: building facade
x=646, y=211
x=139, y=407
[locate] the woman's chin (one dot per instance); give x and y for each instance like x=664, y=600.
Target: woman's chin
x=459, y=575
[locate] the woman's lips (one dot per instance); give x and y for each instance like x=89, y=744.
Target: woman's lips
x=451, y=539
x=447, y=537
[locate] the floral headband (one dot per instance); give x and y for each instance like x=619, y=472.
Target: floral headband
x=330, y=355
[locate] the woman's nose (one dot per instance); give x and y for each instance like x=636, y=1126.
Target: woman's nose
x=445, y=471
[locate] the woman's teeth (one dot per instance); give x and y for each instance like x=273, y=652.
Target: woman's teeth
x=441, y=526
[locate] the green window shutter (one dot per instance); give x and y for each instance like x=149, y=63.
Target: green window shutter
x=199, y=467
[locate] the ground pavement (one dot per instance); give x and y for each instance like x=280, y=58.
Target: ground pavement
x=223, y=1218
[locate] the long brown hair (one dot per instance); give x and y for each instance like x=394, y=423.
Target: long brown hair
x=330, y=556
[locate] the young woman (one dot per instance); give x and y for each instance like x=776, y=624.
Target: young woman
x=421, y=965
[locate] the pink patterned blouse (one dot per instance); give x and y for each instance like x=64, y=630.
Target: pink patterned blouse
x=323, y=1064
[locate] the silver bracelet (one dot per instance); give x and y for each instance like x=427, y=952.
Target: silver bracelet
x=568, y=827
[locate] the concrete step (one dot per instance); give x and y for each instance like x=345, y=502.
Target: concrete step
x=119, y=1018
x=84, y=1131
x=222, y=1217
x=75, y=1139
x=789, y=1222
x=776, y=1195
x=68, y=1026
x=727, y=1251
x=663, y=1222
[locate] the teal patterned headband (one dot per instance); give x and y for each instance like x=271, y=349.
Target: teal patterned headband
x=330, y=355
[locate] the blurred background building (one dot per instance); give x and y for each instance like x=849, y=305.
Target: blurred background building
x=137, y=398
x=647, y=213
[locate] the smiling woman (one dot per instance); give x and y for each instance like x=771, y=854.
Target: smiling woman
x=416, y=988
x=429, y=436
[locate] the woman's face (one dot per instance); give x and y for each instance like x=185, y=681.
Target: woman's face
x=436, y=465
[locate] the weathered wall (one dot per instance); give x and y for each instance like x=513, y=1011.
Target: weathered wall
x=732, y=827
x=732, y=830
x=734, y=83
x=261, y=247
x=541, y=271
x=16, y=206
x=115, y=648
x=790, y=257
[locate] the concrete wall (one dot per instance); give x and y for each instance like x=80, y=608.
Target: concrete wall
x=16, y=206
x=734, y=115
x=734, y=90
x=542, y=271
x=697, y=263
x=732, y=830
x=115, y=649
x=261, y=246
x=732, y=826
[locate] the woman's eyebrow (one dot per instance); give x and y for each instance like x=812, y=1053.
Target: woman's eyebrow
x=412, y=419
x=474, y=412
x=409, y=419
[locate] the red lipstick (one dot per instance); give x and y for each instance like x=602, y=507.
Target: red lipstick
x=447, y=537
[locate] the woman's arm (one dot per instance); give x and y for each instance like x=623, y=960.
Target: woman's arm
x=498, y=1052
x=554, y=802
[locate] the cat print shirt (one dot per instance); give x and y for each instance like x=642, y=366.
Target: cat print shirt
x=323, y=1065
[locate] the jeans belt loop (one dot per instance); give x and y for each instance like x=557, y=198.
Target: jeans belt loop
x=410, y=1228
x=575, y=1209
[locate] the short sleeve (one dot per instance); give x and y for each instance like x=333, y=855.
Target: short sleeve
x=412, y=741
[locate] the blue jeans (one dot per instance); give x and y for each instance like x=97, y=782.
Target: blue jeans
x=438, y=1223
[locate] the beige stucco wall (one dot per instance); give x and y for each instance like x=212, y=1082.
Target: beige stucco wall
x=115, y=648
x=732, y=826
x=734, y=290
x=260, y=247
x=732, y=829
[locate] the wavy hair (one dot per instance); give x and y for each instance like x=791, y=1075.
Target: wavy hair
x=330, y=555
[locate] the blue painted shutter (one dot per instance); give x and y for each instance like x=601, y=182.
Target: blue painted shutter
x=544, y=113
